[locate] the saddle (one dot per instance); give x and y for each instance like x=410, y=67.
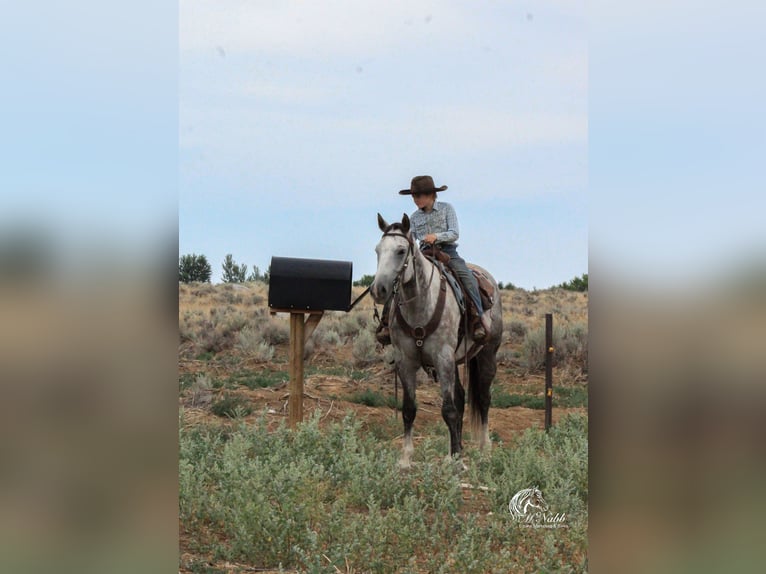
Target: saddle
x=435, y=254
x=486, y=289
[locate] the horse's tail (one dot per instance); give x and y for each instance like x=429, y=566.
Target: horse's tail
x=475, y=398
x=481, y=372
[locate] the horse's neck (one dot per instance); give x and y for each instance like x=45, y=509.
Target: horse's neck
x=418, y=294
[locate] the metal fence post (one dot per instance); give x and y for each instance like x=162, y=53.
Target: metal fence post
x=548, y=370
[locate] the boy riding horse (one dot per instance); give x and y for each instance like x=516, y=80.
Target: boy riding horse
x=435, y=225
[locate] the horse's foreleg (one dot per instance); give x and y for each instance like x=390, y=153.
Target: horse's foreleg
x=409, y=410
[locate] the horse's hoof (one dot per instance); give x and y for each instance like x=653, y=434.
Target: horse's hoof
x=404, y=464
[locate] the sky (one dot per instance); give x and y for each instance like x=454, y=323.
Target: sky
x=677, y=141
x=300, y=121
x=626, y=137
x=628, y=140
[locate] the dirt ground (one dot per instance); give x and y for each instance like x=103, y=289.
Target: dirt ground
x=212, y=316
x=331, y=377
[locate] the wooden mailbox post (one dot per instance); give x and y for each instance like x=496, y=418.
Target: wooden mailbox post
x=303, y=287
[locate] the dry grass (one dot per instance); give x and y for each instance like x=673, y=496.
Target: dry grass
x=227, y=332
x=233, y=361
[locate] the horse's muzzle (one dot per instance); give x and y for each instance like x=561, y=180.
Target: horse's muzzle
x=379, y=293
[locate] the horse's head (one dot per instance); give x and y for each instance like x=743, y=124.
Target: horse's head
x=536, y=500
x=394, y=250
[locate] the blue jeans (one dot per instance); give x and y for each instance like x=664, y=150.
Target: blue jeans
x=457, y=264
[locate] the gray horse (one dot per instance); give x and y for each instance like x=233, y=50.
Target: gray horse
x=425, y=322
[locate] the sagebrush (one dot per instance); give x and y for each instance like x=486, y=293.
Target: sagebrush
x=332, y=499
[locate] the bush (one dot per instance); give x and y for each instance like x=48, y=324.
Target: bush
x=254, y=347
x=232, y=406
x=193, y=268
x=349, y=325
x=363, y=350
x=576, y=284
x=333, y=499
x=517, y=329
x=257, y=380
x=232, y=271
x=365, y=281
x=503, y=400
x=256, y=275
x=274, y=331
x=331, y=338
x=570, y=345
x=372, y=399
x=506, y=286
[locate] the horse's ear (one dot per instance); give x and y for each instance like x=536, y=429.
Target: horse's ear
x=382, y=223
x=405, y=223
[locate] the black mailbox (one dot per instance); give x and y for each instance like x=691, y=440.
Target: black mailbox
x=309, y=284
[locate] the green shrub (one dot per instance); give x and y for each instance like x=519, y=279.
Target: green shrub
x=576, y=396
x=364, y=349
x=258, y=380
x=517, y=329
x=372, y=399
x=252, y=344
x=232, y=271
x=333, y=499
x=503, y=400
x=193, y=268
x=365, y=281
x=570, y=345
x=274, y=331
x=232, y=406
x=348, y=325
x=331, y=338
x=576, y=284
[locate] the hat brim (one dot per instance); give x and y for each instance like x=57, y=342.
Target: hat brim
x=409, y=191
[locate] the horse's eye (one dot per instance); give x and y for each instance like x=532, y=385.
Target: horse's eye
x=401, y=251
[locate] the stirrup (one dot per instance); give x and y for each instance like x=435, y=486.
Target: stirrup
x=481, y=328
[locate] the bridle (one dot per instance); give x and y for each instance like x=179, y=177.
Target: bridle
x=392, y=232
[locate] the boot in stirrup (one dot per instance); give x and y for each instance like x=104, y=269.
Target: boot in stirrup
x=481, y=328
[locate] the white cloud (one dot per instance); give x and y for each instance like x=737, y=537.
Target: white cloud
x=479, y=128
x=459, y=91
x=288, y=94
x=309, y=28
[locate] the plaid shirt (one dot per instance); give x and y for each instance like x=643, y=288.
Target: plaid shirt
x=441, y=221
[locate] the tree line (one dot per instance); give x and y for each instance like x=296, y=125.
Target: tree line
x=196, y=268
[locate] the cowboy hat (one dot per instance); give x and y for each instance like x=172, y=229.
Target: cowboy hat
x=422, y=184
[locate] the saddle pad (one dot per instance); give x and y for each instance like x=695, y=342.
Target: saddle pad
x=455, y=284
